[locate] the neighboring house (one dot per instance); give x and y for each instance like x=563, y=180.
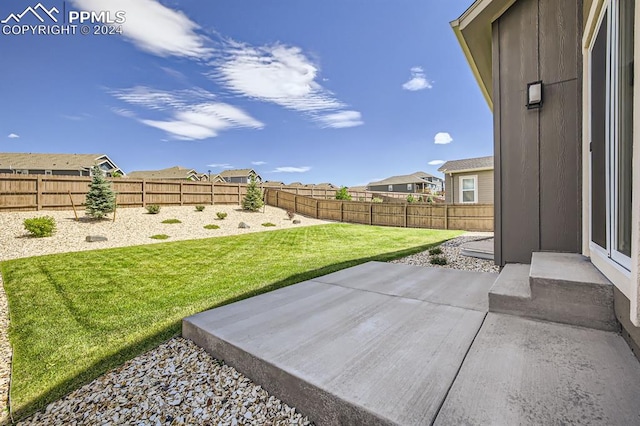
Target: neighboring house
x=272, y=183
x=468, y=181
x=413, y=183
x=325, y=185
x=567, y=162
x=171, y=173
x=239, y=175
x=56, y=164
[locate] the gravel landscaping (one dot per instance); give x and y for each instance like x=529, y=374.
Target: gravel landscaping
x=177, y=382
x=134, y=226
x=451, y=251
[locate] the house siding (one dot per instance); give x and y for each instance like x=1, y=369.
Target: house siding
x=53, y=172
x=538, y=152
x=399, y=187
x=485, y=187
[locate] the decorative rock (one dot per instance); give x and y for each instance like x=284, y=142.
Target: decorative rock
x=176, y=369
x=95, y=238
x=297, y=221
x=243, y=225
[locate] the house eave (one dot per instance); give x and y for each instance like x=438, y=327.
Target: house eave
x=455, y=172
x=473, y=31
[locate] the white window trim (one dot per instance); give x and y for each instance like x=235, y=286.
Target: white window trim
x=409, y=187
x=475, y=189
x=48, y=173
x=390, y=188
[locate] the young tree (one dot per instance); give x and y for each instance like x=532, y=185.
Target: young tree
x=253, y=200
x=100, y=199
x=343, y=194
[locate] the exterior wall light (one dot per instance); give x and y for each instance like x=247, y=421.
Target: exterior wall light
x=534, y=95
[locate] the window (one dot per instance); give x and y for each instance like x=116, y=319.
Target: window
x=23, y=172
x=469, y=189
x=48, y=172
x=409, y=187
x=390, y=188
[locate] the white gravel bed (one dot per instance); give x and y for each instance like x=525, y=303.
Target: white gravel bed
x=5, y=356
x=177, y=383
x=134, y=226
x=451, y=251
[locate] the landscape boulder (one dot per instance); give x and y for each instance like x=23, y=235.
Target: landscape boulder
x=243, y=225
x=95, y=238
x=296, y=221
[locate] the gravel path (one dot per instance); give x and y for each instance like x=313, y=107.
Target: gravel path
x=178, y=382
x=134, y=226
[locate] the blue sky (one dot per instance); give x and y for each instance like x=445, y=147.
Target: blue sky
x=341, y=91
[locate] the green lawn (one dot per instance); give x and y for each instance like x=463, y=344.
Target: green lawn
x=76, y=315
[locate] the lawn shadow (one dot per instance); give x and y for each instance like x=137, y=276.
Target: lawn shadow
x=174, y=329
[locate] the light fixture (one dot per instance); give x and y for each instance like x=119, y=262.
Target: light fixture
x=534, y=95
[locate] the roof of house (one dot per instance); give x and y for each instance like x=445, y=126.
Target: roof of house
x=175, y=172
x=325, y=185
x=295, y=184
x=417, y=177
x=473, y=30
x=237, y=173
x=467, y=164
x=36, y=161
x=272, y=183
x=358, y=188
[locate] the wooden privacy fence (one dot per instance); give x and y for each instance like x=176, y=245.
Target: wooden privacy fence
x=41, y=192
x=476, y=217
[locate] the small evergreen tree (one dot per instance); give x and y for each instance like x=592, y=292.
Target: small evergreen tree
x=343, y=194
x=100, y=199
x=253, y=200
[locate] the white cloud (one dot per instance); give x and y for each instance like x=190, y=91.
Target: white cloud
x=258, y=163
x=220, y=166
x=123, y=112
x=442, y=138
x=338, y=120
x=279, y=74
x=291, y=169
x=194, y=115
x=418, y=80
x=282, y=75
x=155, y=28
x=13, y=136
x=435, y=162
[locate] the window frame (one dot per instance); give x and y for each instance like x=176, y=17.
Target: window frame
x=462, y=190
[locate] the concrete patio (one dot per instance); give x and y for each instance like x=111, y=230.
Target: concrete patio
x=388, y=343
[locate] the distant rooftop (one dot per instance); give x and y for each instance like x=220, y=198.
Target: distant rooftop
x=479, y=163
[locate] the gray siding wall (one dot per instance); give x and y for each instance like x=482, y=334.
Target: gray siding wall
x=485, y=187
x=53, y=172
x=396, y=188
x=537, y=152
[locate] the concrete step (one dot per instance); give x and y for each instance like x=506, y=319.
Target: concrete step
x=558, y=287
x=481, y=249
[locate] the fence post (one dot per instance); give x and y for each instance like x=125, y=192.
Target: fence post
x=371, y=214
x=405, y=215
x=213, y=193
x=277, y=199
x=295, y=204
x=39, y=193
x=239, y=196
x=181, y=190
x=317, y=209
x=144, y=193
x=446, y=216
x=341, y=211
